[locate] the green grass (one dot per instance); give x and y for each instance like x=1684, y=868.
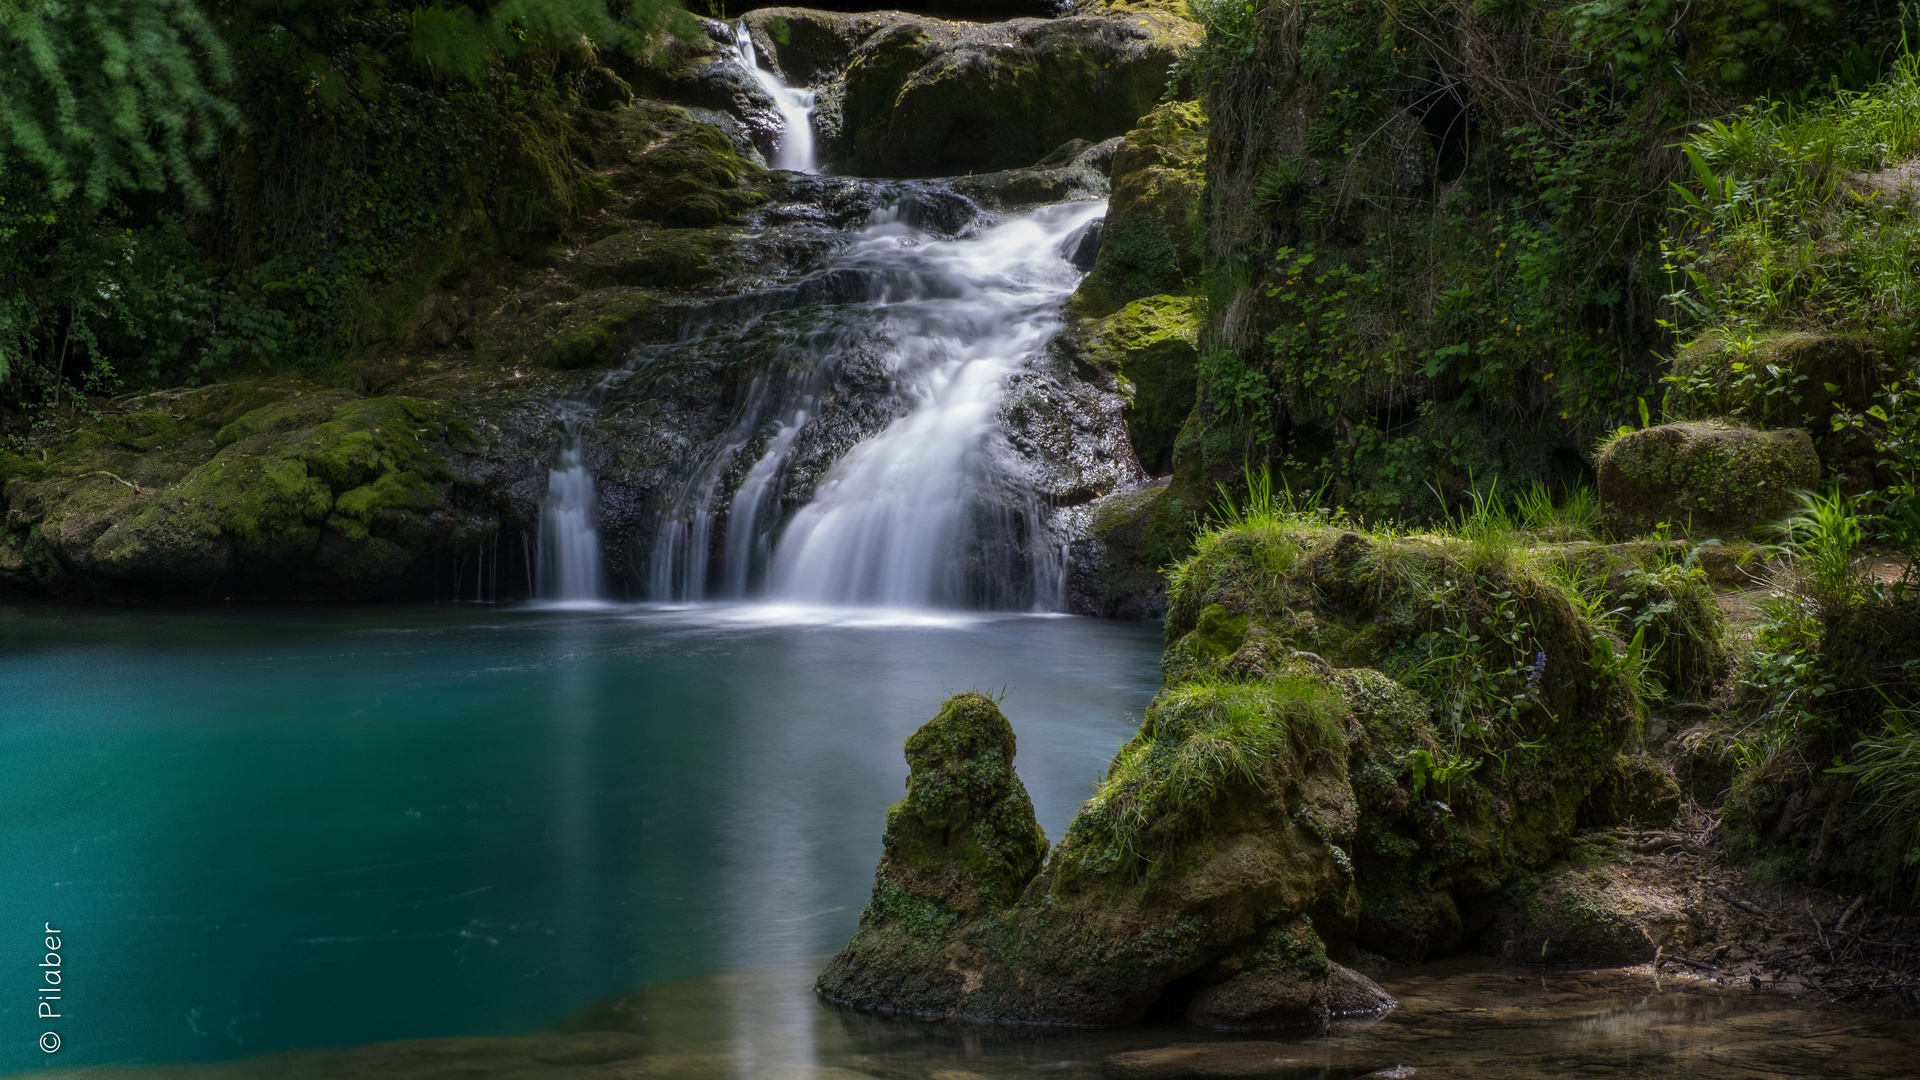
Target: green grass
x=1779, y=228
x=1887, y=765
x=1199, y=739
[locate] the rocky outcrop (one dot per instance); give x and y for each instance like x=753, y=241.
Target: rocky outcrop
x=1175, y=869
x=1703, y=478
x=903, y=95
x=1152, y=344
x=1153, y=239
x=1591, y=915
x=1124, y=321
x=1284, y=799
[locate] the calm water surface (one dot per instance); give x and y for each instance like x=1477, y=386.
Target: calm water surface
x=271, y=829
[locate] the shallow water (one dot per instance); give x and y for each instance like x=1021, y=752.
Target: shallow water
x=271, y=829
x=1466, y=1019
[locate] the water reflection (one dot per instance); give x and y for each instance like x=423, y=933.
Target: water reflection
x=1458, y=1020
x=271, y=829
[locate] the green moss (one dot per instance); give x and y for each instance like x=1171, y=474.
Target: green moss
x=1152, y=344
x=1153, y=238
x=1467, y=783
x=271, y=485
x=1199, y=741
x=1703, y=478
x=1633, y=790
x=694, y=179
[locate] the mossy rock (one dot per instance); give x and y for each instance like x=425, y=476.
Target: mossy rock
x=1152, y=344
x=1589, y=916
x=1452, y=811
x=1153, y=238
x=925, y=97
x=655, y=258
x=1703, y=478
x=1634, y=790
x=695, y=179
x=576, y=329
x=1793, y=379
x=1281, y=979
x=962, y=844
x=1184, y=857
x=196, y=491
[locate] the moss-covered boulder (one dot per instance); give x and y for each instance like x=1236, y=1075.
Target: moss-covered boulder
x=1500, y=702
x=1362, y=739
x=1703, y=478
x=1152, y=241
x=1212, y=847
x=1152, y=344
x=1633, y=789
x=924, y=97
x=273, y=487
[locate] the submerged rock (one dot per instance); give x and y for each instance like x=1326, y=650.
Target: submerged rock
x=1703, y=478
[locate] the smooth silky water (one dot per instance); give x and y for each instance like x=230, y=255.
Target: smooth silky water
x=269, y=829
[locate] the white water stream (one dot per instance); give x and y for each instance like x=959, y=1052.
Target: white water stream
x=572, y=569
x=912, y=516
x=795, y=150
x=935, y=510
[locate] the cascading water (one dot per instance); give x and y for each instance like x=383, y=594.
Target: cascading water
x=571, y=568
x=931, y=511
x=795, y=150
x=935, y=509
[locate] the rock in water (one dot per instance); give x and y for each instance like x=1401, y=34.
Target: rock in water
x=1212, y=851
x=1284, y=798
x=962, y=844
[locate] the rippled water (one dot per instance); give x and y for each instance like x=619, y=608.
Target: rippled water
x=278, y=829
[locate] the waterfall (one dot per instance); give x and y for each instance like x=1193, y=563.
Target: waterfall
x=936, y=509
x=933, y=510
x=571, y=569
x=795, y=151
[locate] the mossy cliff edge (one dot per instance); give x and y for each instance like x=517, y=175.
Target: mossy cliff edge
x=1364, y=742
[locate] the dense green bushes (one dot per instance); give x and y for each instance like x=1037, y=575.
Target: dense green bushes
x=1438, y=228
x=187, y=192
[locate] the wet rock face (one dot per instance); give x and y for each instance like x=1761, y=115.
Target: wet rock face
x=1707, y=478
x=904, y=95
